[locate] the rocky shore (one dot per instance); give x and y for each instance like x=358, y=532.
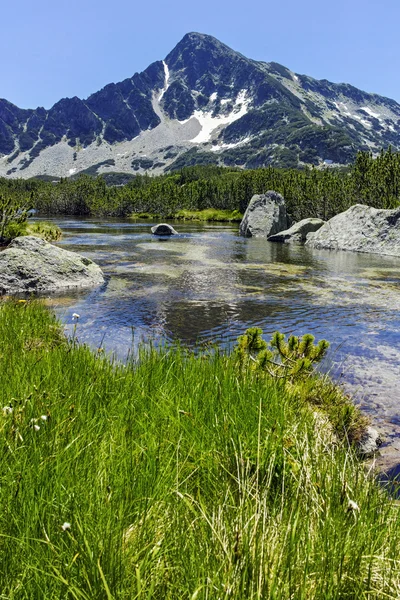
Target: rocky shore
x=359, y=229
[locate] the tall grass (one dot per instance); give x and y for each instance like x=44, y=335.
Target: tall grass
x=175, y=477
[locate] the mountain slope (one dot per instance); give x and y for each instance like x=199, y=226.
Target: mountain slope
x=205, y=103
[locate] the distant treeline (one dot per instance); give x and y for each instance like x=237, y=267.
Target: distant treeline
x=308, y=193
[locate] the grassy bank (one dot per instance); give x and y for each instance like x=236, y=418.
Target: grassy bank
x=47, y=231
x=208, y=214
x=177, y=477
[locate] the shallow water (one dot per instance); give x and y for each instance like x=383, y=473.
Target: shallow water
x=208, y=285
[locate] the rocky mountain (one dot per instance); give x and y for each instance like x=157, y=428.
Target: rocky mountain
x=203, y=104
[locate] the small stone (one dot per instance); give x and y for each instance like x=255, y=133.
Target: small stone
x=163, y=229
x=369, y=443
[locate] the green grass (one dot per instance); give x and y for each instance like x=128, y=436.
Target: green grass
x=47, y=231
x=147, y=215
x=180, y=476
x=208, y=214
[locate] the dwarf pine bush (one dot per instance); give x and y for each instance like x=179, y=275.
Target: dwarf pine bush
x=290, y=359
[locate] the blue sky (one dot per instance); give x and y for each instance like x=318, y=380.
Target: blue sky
x=56, y=48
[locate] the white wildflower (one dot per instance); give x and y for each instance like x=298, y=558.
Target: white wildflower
x=36, y=427
x=7, y=410
x=44, y=417
x=66, y=526
x=352, y=506
x=75, y=316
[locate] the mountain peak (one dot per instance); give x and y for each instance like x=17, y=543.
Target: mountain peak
x=194, y=43
x=204, y=103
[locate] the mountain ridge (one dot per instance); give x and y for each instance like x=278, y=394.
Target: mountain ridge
x=204, y=103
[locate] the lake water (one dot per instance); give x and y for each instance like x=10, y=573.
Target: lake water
x=208, y=285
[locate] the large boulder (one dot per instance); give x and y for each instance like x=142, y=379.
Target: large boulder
x=298, y=232
x=361, y=229
x=30, y=264
x=163, y=229
x=264, y=216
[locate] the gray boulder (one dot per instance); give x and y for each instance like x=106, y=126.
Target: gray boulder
x=29, y=264
x=163, y=229
x=297, y=232
x=360, y=229
x=264, y=216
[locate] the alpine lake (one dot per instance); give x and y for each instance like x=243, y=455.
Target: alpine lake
x=207, y=285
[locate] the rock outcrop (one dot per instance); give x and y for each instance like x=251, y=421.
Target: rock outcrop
x=31, y=265
x=298, y=232
x=360, y=229
x=264, y=216
x=163, y=229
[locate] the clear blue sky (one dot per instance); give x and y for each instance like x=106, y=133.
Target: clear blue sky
x=56, y=48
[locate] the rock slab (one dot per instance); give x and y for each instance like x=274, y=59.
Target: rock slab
x=264, y=216
x=298, y=232
x=163, y=229
x=29, y=265
x=360, y=229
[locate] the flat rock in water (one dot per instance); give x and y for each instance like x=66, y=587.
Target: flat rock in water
x=163, y=229
x=298, y=232
x=264, y=216
x=30, y=265
x=360, y=229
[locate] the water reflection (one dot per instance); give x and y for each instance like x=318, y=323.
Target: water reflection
x=207, y=283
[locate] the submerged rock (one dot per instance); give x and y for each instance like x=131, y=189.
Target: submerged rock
x=264, y=216
x=30, y=264
x=297, y=232
x=163, y=229
x=360, y=229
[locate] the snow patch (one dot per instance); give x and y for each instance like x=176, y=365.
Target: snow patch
x=208, y=123
x=72, y=171
x=370, y=112
x=213, y=97
x=166, y=80
x=295, y=77
x=225, y=101
x=342, y=107
x=227, y=146
x=364, y=122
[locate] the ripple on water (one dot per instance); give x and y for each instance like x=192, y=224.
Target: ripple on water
x=208, y=284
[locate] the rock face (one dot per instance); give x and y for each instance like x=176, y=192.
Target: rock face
x=298, y=232
x=163, y=229
x=360, y=229
x=30, y=265
x=264, y=216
